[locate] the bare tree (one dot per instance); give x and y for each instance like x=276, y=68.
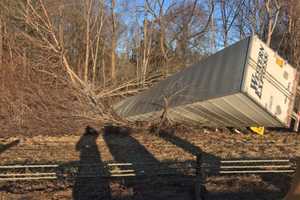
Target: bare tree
x=213, y=29
x=290, y=35
x=191, y=23
x=1, y=39
x=88, y=11
x=159, y=16
x=229, y=13
x=113, y=41
x=146, y=45
x=273, y=10
x=96, y=52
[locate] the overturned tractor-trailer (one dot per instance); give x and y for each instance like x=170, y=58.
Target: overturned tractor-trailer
x=246, y=84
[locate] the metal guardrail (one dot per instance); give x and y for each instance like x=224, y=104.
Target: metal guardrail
x=205, y=169
x=201, y=169
x=108, y=170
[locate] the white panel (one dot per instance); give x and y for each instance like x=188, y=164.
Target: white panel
x=269, y=80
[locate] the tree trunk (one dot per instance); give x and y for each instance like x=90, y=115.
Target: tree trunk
x=272, y=22
x=98, y=39
x=162, y=45
x=103, y=67
x=113, y=41
x=87, y=51
x=213, y=31
x=269, y=36
x=1, y=40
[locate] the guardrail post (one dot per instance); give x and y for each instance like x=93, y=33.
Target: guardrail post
x=297, y=121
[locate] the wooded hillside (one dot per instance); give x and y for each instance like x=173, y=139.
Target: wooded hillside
x=64, y=62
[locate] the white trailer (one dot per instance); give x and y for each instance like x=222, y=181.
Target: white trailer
x=246, y=84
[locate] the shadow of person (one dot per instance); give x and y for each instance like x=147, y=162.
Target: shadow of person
x=89, y=182
x=125, y=148
x=4, y=147
x=170, y=136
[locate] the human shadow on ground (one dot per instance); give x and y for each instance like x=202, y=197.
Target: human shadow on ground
x=4, y=147
x=127, y=149
x=89, y=182
x=169, y=136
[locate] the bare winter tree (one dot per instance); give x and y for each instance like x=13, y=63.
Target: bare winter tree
x=230, y=11
x=87, y=15
x=159, y=10
x=272, y=11
x=189, y=24
x=99, y=22
x=113, y=41
x=287, y=35
x=1, y=39
x=212, y=29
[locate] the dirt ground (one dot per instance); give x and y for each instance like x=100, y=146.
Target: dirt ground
x=144, y=147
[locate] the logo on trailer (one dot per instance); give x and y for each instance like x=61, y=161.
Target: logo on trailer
x=257, y=78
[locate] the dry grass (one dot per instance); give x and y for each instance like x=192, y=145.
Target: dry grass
x=36, y=101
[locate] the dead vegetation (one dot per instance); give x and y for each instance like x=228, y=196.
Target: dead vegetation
x=41, y=92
